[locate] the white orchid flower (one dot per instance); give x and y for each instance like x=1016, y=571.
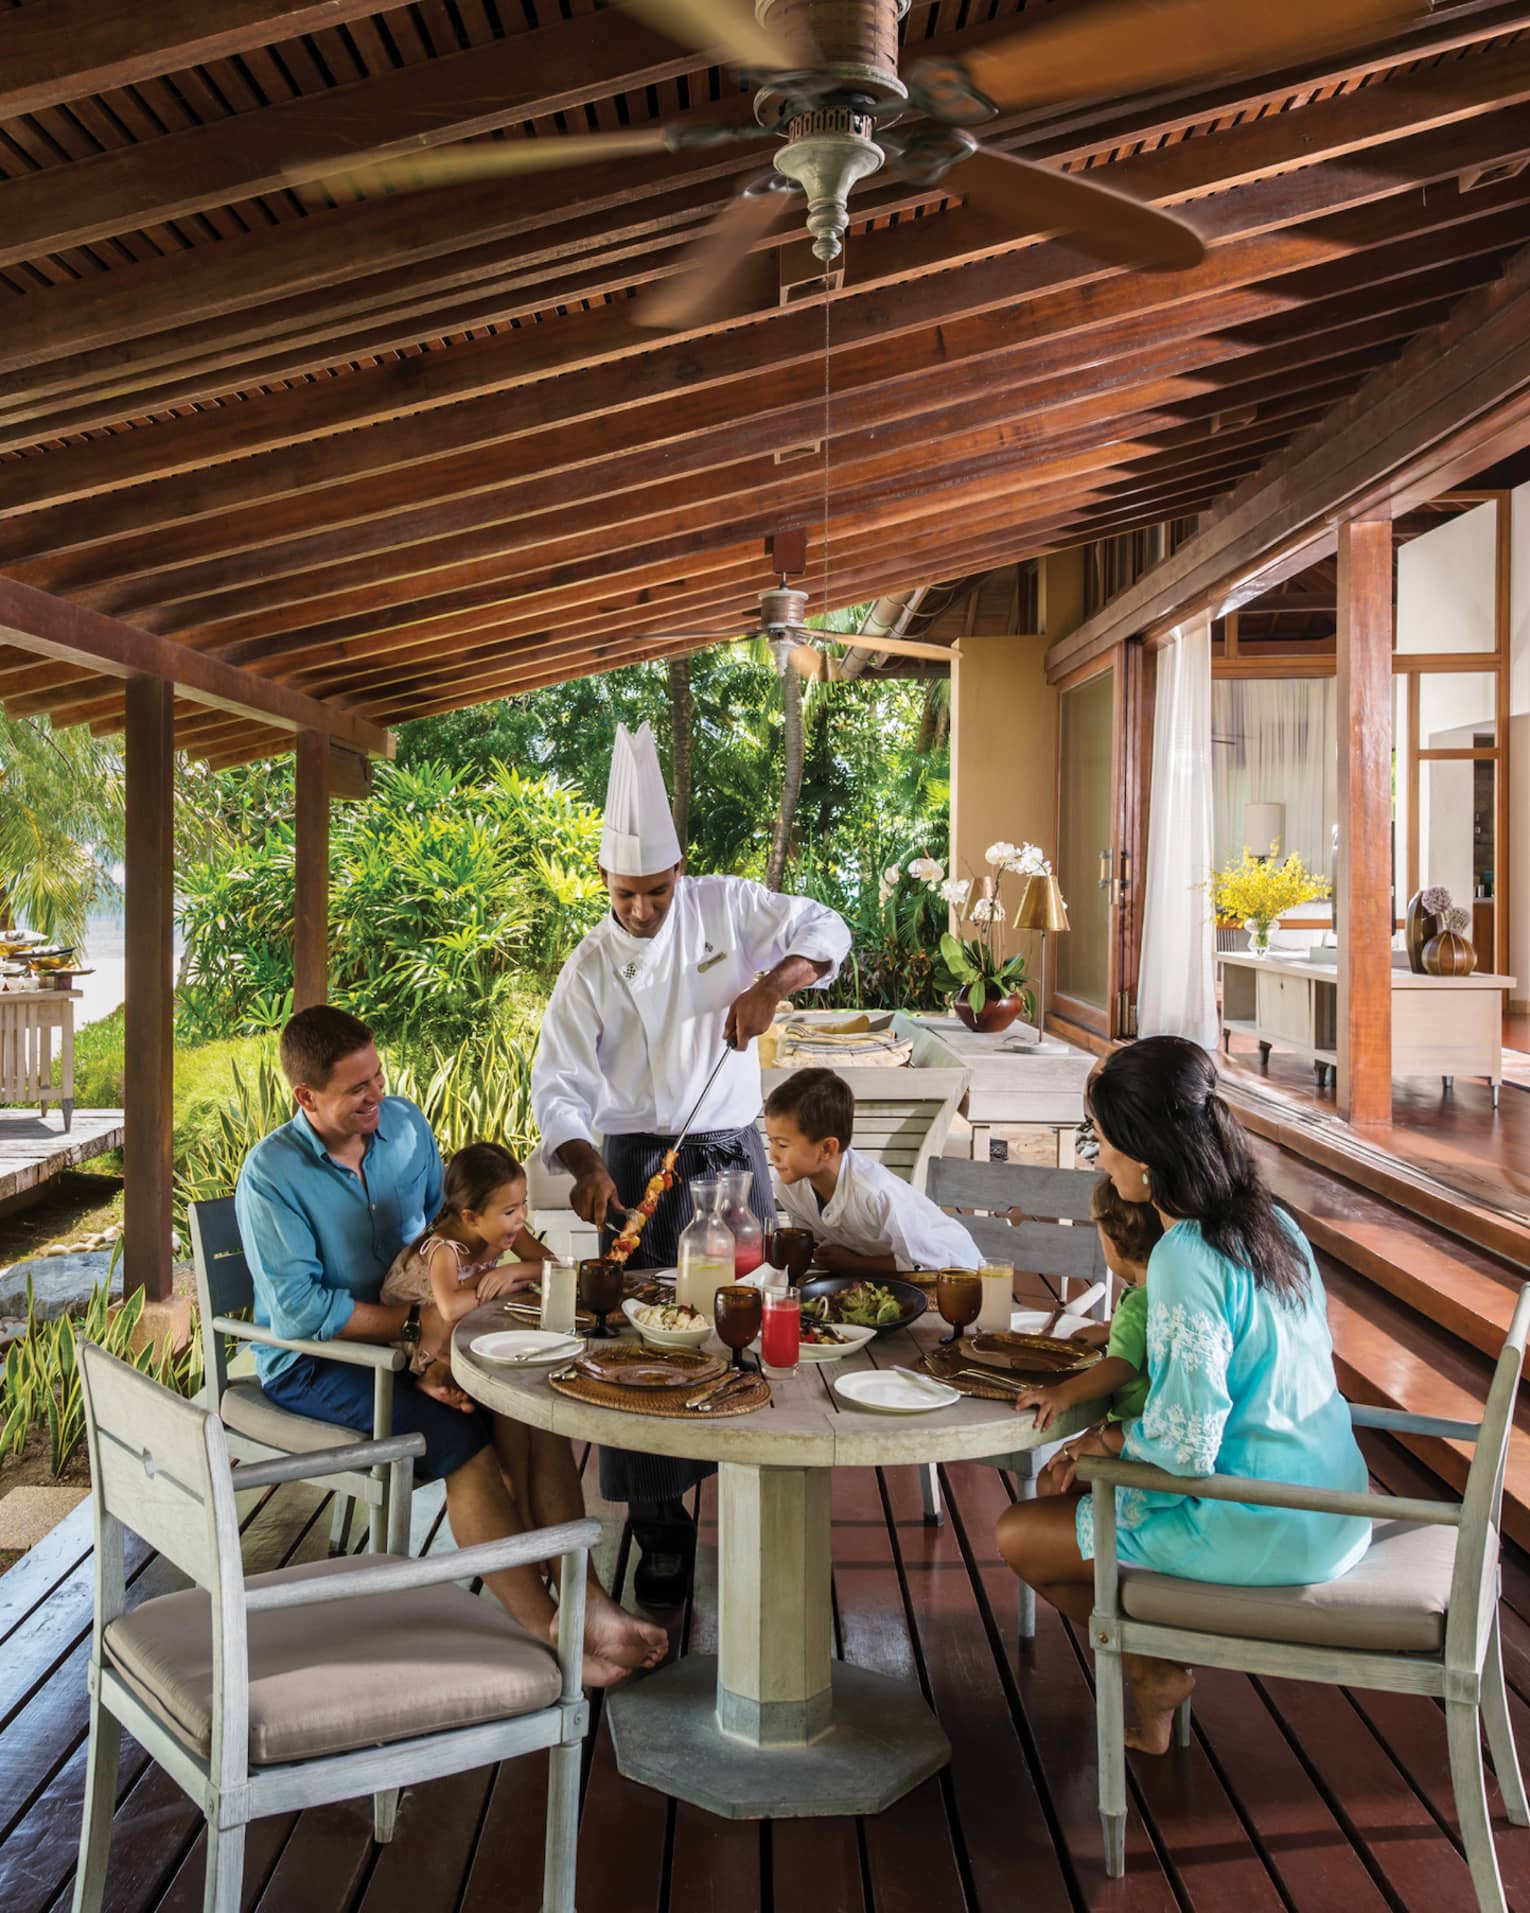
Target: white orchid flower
x=891, y=875
x=926, y=870
x=1001, y=854
x=954, y=890
x=988, y=910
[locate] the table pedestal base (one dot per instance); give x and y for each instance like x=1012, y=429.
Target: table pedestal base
x=880, y=1741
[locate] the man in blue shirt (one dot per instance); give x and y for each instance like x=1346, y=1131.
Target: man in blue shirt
x=324, y=1205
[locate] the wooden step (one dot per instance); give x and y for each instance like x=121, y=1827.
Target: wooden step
x=1462, y=1289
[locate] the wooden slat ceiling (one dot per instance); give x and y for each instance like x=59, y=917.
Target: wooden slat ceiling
x=408, y=452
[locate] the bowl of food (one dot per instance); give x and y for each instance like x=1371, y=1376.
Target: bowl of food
x=879, y=1303
x=831, y=1341
x=667, y=1324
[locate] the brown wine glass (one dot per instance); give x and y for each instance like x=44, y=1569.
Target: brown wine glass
x=959, y=1297
x=738, y=1313
x=792, y=1250
x=600, y=1290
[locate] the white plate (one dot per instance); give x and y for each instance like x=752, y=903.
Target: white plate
x=1033, y=1321
x=828, y=1351
x=891, y=1394
x=665, y=1337
x=525, y=1347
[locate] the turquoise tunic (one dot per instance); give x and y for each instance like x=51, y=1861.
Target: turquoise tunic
x=1241, y=1384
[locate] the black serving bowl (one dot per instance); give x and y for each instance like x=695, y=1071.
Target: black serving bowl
x=914, y=1300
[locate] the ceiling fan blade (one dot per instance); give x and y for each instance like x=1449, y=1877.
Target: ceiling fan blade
x=485, y=159
x=699, y=290
x=1109, y=48
x=1023, y=197
x=729, y=27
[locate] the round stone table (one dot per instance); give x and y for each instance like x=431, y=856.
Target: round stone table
x=772, y=1726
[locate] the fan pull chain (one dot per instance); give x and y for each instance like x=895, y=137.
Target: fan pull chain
x=824, y=607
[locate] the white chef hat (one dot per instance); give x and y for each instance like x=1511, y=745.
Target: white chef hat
x=639, y=837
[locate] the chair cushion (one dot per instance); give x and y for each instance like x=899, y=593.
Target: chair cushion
x=1392, y=1601
x=248, y=1410
x=353, y=1673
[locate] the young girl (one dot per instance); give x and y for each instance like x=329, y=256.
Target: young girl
x=457, y=1263
x=1128, y=1232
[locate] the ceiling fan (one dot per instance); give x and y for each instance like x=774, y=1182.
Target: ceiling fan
x=782, y=623
x=828, y=87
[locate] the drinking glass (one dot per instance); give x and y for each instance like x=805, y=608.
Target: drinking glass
x=781, y=1336
x=792, y=1250
x=959, y=1297
x=738, y=1311
x=560, y=1281
x=998, y=1297
x=600, y=1290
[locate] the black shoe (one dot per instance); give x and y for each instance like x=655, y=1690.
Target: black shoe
x=663, y=1576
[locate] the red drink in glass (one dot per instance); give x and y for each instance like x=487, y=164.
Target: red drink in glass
x=747, y=1257
x=781, y=1333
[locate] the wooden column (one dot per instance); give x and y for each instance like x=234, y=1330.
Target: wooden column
x=149, y=892
x=310, y=902
x=1364, y=901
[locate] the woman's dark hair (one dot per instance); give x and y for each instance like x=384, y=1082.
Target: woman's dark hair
x=1133, y=1227
x=472, y=1176
x=1156, y=1101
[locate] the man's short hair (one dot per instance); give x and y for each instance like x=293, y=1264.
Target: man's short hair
x=316, y=1039
x=820, y=1103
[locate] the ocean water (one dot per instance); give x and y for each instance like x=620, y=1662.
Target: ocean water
x=104, y=954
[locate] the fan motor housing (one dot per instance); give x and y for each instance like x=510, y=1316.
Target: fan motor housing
x=782, y=609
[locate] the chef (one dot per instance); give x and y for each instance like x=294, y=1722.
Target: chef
x=641, y=1011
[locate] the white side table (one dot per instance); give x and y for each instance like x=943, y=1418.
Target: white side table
x=29, y=1019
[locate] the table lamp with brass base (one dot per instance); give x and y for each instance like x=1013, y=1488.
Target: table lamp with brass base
x=1042, y=908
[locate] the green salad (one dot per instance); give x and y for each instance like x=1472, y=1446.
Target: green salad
x=866, y=1305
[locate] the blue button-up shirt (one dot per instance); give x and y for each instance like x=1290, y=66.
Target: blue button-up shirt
x=318, y=1237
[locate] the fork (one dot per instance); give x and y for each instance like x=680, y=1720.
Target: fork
x=998, y=1381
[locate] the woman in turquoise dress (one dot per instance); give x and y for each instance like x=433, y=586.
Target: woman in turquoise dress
x=1240, y=1366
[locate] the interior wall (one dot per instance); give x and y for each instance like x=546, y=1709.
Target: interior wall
x=1519, y=745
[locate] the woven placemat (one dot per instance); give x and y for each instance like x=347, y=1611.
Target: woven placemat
x=667, y=1403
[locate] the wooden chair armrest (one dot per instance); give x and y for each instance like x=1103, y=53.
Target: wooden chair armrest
x=362, y=1354
x=1267, y=1494
x=328, y=1461
x=392, y=1575
x=1399, y=1422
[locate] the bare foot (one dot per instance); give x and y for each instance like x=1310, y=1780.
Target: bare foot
x=1158, y=1691
x=599, y=1672
x=615, y=1635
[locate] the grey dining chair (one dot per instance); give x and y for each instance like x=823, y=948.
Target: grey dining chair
x=1418, y=1615
x=322, y=1682
x=260, y=1431
x=1057, y=1240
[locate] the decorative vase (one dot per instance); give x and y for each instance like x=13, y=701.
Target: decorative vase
x=1419, y=926
x=1447, y=954
x=996, y=1014
x=1258, y=936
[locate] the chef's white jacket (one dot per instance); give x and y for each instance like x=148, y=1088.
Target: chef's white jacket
x=635, y=1024
x=874, y=1212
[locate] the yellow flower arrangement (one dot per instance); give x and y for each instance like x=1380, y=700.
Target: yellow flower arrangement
x=1257, y=890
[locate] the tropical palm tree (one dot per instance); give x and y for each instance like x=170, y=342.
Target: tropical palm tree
x=61, y=825
x=680, y=746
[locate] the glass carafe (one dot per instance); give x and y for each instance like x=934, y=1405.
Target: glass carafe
x=743, y=1223
x=706, y=1248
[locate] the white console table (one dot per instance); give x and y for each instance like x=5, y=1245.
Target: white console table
x=1445, y=1026
x=30, y=1018
x=1015, y=1082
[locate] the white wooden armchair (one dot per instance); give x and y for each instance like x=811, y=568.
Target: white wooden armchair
x=316, y=1683
x=257, y=1429
x=1418, y=1615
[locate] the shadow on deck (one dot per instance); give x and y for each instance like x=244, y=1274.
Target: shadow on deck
x=1291, y=1795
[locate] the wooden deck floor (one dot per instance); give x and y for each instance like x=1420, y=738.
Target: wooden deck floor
x=1292, y=1796
x=35, y=1146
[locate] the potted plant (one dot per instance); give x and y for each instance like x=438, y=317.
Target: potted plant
x=988, y=989
x=1257, y=891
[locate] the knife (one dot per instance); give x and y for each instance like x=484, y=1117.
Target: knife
x=718, y=1387
x=724, y=1391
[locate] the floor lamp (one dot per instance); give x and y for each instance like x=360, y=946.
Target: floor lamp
x=1042, y=908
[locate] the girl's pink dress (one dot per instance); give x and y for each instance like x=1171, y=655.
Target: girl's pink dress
x=409, y=1281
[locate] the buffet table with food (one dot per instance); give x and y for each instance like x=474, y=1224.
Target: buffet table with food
x=855, y=1373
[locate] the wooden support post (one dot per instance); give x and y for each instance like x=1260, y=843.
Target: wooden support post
x=149, y=888
x=310, y=902
x=1364, y=902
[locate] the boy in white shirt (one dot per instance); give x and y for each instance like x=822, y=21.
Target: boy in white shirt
x=865, y=1220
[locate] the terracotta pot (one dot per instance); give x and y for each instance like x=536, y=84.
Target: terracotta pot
x=1419, y=926
x=1447, y=954
x=998, y=1013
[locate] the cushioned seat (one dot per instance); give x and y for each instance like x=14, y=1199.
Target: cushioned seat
x=246, y=1409
x=1393, y=1601
x=349, y=1674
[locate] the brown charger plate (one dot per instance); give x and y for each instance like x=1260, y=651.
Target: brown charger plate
x=668, y=1403
x=631, y=1365
x=1040, y=1358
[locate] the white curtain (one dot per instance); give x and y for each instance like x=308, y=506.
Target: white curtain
x=1176, y=991
x=1273, y=743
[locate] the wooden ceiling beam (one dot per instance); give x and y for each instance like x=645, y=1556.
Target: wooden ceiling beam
x=52, y=627
x=527, y=76
x=594, y=497
x=215, y=357
x=1434, y=409
x=72, y=48
x=958, y=314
